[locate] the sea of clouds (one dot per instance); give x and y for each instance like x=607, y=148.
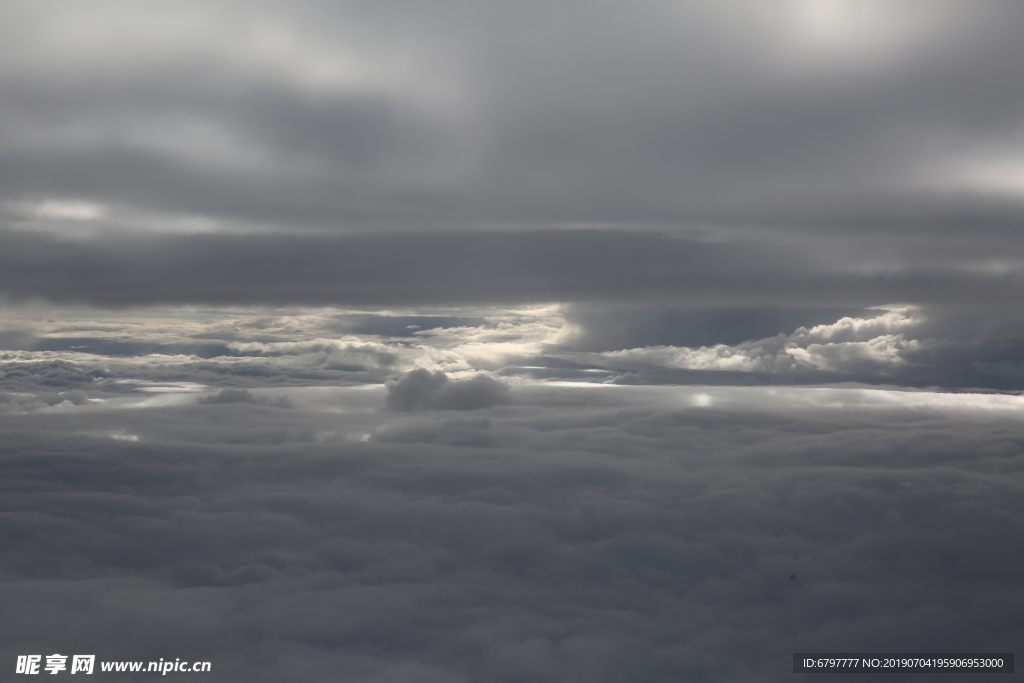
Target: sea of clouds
x=385, y=520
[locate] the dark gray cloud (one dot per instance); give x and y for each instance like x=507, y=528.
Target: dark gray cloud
x=53, y=376
x=244, y=396
x=829, y=154
x=852, y=114
x=421, y=389
x=604, y=532
x=492, y=267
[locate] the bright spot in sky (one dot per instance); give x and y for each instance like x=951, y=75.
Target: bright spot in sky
x=862, y=30
x=167, y=387
x=68, y=209
x=827, y=20
x=122, y=436
x=702, y=400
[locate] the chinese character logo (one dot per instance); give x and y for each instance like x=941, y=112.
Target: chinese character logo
x=28, y=664
x=82, y=664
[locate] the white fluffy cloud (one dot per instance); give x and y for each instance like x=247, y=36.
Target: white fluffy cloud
x=861, y=346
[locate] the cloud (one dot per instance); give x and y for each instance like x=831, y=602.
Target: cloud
x=873, y=345
x=368, y=212
x=421, y=389
x=51, y=375
x=901, y=345
x=244, y=396
x=608, y=327
x=506, y=267
x=125, y=353
x=656, y=114
x=589, y=531
x=128, y=354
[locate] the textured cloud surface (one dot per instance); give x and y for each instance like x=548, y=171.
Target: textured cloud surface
x=598, y=533
x=423, y=390
x=106, y=354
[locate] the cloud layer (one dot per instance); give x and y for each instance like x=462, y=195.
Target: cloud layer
x=510, y=341
x=504, y=267
x=221, y=114
x=597, y=532
x=105, y=354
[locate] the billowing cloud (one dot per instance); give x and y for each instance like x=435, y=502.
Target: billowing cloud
x=421, y=389
x=901, y=345
x=849, y=346
x=120, y=353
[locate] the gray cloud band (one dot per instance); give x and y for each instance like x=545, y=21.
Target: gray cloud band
x=656, y=113
x=463, y=268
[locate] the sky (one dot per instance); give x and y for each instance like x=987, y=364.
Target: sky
x=510, y=341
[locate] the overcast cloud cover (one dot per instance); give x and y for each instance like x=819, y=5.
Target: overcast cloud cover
x=510, y=341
